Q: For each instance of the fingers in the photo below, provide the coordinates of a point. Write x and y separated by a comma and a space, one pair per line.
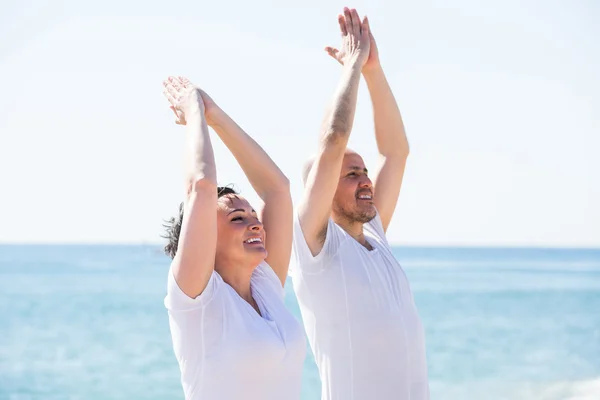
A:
352, 22
348, 20
170, 90
175, 89
342, 22
366, 29
333, 52
174, 112
185, 82
356, 23
168, 95
178, 117
177, 85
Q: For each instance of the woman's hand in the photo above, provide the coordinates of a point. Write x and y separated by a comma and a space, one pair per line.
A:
186, 97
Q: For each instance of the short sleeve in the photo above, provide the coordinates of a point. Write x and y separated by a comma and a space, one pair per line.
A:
196, 325
303, 258
177, 300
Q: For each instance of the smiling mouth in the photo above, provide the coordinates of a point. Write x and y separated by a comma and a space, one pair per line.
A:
253, 240
365, 196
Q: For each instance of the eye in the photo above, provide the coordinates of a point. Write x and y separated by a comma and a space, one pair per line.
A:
352, 174
237, 219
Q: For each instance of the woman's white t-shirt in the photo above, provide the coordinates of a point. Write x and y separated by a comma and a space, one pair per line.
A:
226, 350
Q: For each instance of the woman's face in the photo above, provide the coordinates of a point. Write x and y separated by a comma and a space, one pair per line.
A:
240, 235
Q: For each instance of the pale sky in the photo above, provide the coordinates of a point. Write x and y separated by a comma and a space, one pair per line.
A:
501, 101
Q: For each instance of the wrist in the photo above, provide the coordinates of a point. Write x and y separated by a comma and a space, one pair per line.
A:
214, 115
373, 72
193, 111
353, 67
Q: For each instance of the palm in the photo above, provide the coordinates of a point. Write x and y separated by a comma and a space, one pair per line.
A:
373, 59
341, 55
355, 39
183, 94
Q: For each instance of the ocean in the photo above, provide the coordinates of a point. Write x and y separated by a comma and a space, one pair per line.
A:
88, 322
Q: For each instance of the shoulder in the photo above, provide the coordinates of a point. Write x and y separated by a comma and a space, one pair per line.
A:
264, 271
264, 278
330, 238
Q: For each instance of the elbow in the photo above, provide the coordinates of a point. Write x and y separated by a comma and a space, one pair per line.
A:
283, 184
335, 136
404, 147
399, 152
201, 184
279, 188
403, 154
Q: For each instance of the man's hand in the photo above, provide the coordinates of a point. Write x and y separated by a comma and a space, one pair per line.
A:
184, 97
356, 40
372, 61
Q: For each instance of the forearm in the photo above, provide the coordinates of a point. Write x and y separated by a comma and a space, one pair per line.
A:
389, 128
264, 175
199, 157
338, 122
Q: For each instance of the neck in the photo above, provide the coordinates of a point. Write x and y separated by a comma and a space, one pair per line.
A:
239, 280
354, 229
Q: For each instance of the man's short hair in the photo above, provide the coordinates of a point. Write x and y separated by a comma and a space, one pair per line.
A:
311, 161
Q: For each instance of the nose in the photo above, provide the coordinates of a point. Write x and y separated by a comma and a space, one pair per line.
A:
256, 226
365, 182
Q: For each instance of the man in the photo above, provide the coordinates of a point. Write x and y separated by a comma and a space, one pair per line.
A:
355, 300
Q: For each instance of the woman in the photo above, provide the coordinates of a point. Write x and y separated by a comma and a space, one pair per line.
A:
232, 334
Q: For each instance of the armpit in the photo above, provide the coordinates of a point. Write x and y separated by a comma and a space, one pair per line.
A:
322, 236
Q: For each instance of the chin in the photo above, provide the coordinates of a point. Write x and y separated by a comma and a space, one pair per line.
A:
365, 216
258, 254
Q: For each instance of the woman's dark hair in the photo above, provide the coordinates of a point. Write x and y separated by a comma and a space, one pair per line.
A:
173, 225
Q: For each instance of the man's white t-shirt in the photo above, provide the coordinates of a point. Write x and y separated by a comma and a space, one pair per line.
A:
226, 350
360, 317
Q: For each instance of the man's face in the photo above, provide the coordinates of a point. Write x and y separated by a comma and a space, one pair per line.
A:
353, 199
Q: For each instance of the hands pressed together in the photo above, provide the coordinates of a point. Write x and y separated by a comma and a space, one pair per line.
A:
186, 98
358, 48
358, 44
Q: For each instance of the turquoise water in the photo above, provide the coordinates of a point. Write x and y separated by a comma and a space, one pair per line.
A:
88, 322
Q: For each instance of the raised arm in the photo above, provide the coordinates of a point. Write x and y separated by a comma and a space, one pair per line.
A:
271, 185
194, 260
390, 135
321, 182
